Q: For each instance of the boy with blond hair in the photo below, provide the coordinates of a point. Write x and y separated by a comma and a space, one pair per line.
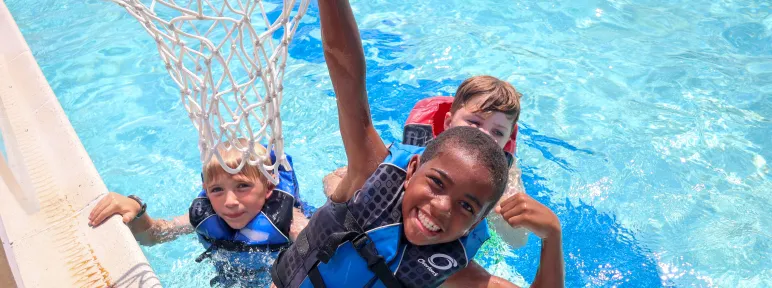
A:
242, 219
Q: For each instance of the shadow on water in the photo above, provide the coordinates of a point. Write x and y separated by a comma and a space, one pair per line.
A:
598, 250
538, 141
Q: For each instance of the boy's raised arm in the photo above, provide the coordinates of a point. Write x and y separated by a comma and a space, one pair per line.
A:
346, 63
520, 210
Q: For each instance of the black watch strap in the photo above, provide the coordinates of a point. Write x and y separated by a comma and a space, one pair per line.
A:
142, 205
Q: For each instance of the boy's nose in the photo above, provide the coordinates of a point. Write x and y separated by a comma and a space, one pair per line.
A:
231, 200
442, 207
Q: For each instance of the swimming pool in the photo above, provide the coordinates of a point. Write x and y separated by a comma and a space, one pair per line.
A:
646, 125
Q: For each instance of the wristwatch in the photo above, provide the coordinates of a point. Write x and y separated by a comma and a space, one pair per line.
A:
142, 205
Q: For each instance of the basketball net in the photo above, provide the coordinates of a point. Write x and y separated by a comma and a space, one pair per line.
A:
228, 61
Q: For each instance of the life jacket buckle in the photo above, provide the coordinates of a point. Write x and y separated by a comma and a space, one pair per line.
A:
361, 241
323, 256
364, 246
207, 254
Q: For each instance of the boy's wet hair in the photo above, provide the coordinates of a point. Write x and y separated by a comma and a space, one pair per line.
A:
501, 96
232, 157
478, 145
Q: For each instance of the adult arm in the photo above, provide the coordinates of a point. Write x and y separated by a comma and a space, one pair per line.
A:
146, 230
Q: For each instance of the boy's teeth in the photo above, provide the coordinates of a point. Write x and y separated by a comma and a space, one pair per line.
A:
427, 223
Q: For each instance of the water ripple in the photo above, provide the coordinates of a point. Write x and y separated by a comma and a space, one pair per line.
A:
645, 124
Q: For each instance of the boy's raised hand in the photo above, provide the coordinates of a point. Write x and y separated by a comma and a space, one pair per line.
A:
520, 210
114, 203
346, 63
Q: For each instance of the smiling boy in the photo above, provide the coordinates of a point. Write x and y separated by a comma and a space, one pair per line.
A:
402, 215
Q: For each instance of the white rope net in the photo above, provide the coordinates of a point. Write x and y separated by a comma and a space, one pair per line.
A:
228, 59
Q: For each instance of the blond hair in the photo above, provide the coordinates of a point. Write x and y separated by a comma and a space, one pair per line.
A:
232, 157
500, 96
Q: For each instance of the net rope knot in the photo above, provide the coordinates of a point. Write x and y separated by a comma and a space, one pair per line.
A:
223, 56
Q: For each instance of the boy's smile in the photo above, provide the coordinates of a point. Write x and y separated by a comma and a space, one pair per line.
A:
444, 198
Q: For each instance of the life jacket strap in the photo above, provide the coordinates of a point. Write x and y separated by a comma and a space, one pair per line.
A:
207, 254
322, 253
219, 279
316, 278
375, 262
351, 231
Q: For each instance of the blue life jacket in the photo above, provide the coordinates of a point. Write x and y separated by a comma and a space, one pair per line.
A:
361, 243
235, 253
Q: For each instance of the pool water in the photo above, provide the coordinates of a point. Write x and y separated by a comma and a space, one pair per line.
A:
646, 124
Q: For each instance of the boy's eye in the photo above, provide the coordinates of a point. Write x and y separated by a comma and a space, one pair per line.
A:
473, 122
244, 185
467, 206
215, 190
498, 133
437, 182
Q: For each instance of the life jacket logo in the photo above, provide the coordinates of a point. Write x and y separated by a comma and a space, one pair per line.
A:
438, 261
417, 135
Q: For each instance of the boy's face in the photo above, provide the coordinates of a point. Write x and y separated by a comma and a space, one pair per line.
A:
496, 124
444, 198
237, 199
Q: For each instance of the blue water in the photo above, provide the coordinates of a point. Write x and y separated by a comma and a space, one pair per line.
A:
646, 124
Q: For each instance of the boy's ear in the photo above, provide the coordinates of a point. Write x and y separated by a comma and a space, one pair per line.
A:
270, 188
412, 166
448, 119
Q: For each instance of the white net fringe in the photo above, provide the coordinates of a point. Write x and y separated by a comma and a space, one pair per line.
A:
216, 54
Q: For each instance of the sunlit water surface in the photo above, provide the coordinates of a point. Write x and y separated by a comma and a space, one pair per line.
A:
645, 126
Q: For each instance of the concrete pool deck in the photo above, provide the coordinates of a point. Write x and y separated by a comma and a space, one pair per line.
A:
48, 187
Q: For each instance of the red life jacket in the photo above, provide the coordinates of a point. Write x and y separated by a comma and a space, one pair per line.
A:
427, 120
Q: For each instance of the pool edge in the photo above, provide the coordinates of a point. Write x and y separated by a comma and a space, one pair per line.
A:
29, 257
